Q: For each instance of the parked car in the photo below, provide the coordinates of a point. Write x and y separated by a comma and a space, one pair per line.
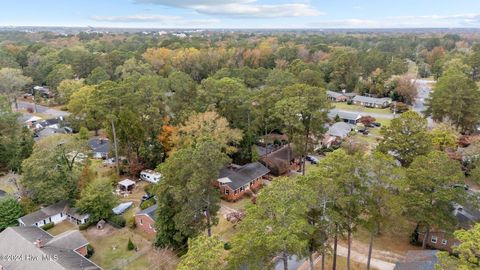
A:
312, 159
462, 186
147, 197
377, 124
364, 132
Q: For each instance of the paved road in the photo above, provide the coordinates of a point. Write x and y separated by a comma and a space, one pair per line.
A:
22, 105
424, 89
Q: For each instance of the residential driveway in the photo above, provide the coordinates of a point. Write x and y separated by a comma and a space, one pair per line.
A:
375, 115
22, 105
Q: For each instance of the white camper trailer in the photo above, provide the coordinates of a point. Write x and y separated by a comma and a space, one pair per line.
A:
150, 176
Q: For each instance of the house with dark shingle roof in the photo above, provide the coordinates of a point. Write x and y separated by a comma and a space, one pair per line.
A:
42, 251
54, 213
339, 96
145, 219
466, 216
235, 180
100, 147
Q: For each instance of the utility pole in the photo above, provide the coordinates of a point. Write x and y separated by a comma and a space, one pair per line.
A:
116, 147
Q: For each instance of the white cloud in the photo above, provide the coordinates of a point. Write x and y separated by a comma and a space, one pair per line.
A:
240, 8
165, 20
135, 18
455, 20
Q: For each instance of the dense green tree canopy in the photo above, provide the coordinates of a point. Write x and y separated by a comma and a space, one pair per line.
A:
455, 99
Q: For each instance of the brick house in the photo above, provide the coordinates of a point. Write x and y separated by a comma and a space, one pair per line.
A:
145, 220
442, 240
340, 96
64, 251
234, 180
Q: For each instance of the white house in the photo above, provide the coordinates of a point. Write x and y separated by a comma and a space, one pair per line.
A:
150, 176
54, 213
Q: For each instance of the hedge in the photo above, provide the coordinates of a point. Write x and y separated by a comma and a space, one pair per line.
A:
48, 226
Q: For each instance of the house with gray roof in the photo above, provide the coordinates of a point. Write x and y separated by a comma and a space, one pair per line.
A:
36, 249
466, 216
340, 130
54, 213
235, 180
345, 116
100, 147
372, 102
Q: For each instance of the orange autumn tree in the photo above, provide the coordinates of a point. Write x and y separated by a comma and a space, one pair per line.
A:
207, 125
165, 136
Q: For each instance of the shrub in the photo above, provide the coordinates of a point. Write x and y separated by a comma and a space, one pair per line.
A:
147, 203
83, 227
117, 221
227, 246
130, 245
90, 251
48, 226
131, 222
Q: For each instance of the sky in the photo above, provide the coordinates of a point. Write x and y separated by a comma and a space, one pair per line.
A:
242, 13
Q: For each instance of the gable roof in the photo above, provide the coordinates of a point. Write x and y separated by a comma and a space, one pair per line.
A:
99, 145
44, 213
332, 114
339, 129
243, 175
49, 131
150, 211
3, 193
20, 240
334, 94
70, 240
372, 99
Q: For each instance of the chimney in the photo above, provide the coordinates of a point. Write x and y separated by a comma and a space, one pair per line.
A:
38, 243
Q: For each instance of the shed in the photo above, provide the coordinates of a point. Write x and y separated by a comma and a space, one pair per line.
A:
101, 224
126, 185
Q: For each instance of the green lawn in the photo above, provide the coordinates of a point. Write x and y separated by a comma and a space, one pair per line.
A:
345, 106
111, 252
62, 227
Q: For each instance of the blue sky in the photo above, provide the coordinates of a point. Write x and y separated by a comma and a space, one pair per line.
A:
242, 13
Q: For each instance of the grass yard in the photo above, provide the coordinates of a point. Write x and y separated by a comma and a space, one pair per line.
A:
383, 121
62, 227
341, 264
396, 240
224, 229
345, 106
111, 252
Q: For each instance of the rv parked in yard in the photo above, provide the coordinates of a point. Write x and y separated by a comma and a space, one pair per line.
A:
150, 176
